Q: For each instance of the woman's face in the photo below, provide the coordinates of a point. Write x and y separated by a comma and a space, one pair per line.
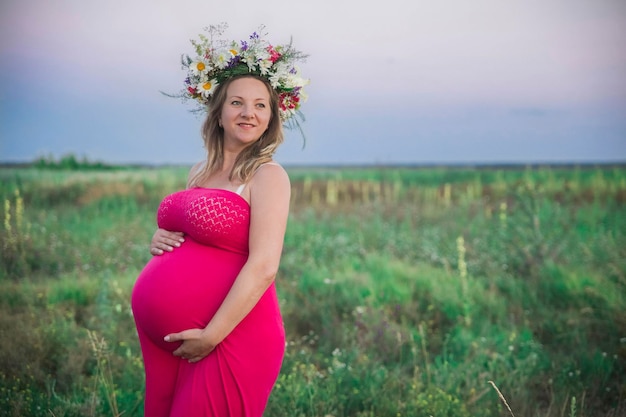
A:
246, 113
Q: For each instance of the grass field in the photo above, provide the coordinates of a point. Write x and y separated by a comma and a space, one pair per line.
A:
405, 291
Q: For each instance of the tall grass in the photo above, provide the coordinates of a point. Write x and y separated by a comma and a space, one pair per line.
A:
405, 292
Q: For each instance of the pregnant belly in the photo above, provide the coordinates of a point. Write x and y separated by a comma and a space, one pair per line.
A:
183, 289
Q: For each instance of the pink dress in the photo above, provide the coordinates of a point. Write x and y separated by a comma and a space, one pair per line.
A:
182, 290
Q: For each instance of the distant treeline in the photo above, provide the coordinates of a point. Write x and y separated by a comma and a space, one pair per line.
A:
72, 163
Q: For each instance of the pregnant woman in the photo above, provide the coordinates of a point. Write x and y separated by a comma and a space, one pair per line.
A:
205, 305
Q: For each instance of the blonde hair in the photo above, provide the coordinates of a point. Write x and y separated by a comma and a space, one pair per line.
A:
250, 158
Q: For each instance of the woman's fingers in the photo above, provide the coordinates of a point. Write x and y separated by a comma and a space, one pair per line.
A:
164, 241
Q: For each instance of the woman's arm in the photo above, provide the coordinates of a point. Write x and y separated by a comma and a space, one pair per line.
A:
269, 203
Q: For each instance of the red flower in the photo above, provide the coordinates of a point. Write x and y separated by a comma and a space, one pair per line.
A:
274, 55
288, 101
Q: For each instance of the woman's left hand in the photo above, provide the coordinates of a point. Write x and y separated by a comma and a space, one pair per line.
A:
195, 344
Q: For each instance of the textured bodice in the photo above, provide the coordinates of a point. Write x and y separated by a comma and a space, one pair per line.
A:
211, 216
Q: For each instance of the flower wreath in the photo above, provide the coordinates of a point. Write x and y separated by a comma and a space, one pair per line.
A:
218, 60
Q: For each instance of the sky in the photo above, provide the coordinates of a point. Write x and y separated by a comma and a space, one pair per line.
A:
391, 82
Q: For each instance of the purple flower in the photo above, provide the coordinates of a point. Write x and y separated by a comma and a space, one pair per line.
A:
244, 45
234, 62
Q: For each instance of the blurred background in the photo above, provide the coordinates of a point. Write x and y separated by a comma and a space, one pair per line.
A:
394, 82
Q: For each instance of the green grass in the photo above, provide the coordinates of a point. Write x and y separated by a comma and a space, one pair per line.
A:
384, 315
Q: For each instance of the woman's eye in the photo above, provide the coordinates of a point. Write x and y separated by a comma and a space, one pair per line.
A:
261, 105
235, 102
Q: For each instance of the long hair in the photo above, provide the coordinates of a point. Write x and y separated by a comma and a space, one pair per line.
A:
252, 156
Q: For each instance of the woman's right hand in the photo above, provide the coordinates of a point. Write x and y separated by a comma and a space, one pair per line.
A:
165, 241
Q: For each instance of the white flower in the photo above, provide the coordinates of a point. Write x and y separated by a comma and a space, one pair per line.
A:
207, 87
251, 62
303, 96
199, 67
277, 78
264, 66
294, 80
223, 57
249, 57
286, 76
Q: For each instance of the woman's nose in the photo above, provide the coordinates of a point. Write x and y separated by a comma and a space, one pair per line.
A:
247, 112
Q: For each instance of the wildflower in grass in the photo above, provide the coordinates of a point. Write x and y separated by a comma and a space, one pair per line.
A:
19, 210
460, 245
447, 194
7, 216
572, 409
337, 364
503, 208
331, 192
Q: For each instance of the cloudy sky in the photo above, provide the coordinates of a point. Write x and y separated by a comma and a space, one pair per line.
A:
395, 81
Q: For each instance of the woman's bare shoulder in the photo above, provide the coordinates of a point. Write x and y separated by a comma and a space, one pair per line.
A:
270, 171
270, 175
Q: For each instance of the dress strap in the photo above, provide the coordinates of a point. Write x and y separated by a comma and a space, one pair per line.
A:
240, 188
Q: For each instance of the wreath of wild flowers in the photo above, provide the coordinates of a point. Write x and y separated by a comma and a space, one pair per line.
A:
217, 60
